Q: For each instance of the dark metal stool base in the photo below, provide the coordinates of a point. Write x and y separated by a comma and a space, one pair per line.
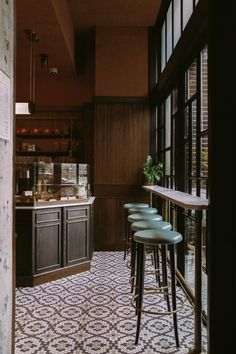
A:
140, 292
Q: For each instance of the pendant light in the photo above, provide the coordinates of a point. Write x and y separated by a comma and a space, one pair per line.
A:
26, 108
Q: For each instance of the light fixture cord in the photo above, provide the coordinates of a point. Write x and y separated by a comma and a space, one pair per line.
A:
33, 39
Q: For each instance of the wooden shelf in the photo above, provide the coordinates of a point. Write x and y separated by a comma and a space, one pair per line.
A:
42, 153
43, 136
63, 139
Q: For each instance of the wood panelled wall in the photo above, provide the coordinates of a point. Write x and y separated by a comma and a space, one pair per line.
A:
121, 144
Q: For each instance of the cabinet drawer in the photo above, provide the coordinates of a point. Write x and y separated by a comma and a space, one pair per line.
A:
76, 213
49, 215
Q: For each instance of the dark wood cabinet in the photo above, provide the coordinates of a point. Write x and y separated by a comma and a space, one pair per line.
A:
76, 234
53, 242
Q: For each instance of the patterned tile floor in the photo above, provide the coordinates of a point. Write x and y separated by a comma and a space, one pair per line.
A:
91, 313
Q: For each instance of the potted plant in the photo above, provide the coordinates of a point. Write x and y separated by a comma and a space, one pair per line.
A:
152, 172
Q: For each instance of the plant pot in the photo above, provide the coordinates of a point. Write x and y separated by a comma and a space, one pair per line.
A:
149, 183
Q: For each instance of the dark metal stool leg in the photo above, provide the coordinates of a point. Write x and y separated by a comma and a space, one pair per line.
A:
164, 275
164, 241
173, 290
126, 238
140, 251
157, 264
132, 262
137, 278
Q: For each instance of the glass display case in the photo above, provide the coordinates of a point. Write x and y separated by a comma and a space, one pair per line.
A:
46, 181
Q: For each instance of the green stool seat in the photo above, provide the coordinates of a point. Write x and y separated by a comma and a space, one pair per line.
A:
127, 206
142, 217
158, 236
135, 205
150, 224
143, 210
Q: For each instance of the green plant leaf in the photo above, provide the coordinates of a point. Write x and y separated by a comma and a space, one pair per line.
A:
152, 171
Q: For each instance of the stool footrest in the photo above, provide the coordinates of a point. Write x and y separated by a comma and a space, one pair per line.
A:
159, 313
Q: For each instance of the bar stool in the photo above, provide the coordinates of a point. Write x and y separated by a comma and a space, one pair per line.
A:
131, 219
160, 238
127, 206
148, 210
147, 225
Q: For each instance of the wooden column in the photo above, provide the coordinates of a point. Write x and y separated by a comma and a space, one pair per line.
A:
221, 242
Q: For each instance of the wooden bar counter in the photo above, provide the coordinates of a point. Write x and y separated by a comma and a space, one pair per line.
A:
53, 240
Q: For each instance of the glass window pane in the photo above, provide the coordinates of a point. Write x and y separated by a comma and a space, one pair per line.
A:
194, 138
174, 100
203, 191
157, 61
186, 125
191, 84
187, 164
194, 187
167, 163
204, 89
167, 122
163, 46
190, 251
174, 217
204, 156
190, 259
173, 146
187, 11
169, 32
177, 21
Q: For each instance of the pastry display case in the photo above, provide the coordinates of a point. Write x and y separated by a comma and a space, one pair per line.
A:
51, 182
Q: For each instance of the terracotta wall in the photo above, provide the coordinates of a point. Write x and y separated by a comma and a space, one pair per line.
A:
119, 67
60, 90
121, 61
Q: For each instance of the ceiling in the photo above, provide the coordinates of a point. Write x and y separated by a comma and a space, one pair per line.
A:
89, 13
78, 15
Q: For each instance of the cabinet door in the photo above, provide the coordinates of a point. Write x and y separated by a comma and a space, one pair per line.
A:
47, 240
76, 234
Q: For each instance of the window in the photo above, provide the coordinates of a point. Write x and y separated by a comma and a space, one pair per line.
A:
182, 124
196, 155
177, 17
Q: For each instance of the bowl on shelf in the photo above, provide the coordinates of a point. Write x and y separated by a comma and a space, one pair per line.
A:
36, 131
47, 131
24, 131
56, 131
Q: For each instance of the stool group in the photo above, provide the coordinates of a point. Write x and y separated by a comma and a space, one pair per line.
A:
148, 234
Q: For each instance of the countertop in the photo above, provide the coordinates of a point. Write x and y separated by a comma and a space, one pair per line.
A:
53, 204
